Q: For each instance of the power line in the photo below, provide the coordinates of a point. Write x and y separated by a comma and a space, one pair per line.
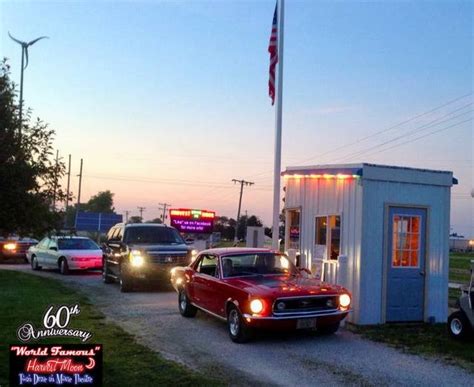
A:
407, 134
420, 137
374, 134
392, 127
177, 182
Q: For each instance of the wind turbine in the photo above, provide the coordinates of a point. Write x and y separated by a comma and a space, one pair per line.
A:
24, 56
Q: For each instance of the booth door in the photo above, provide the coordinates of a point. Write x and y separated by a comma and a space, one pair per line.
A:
406, 264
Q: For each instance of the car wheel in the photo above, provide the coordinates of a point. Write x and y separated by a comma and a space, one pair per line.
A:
329, 329
185, 307
238, 331
458, 325
63, 267
105, 274
34, 263
126, 283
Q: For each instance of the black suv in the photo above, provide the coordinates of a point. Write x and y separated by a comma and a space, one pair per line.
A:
143, 252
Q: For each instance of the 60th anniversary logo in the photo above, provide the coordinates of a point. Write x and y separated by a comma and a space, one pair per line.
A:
55, 364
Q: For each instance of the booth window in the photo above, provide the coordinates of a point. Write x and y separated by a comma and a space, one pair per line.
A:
294, 229
328, 233
406, 241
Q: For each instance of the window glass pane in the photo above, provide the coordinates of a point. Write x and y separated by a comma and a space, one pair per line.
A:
294, 229
415, 224
414, 258
404, 224
414, 241
405, 255
321, 230
405, 241
335, 226
396, 257
208, 265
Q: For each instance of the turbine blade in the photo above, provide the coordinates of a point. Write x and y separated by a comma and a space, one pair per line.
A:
34, 41
26, 57
14, 39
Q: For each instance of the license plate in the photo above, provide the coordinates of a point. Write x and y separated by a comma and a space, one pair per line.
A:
306, 323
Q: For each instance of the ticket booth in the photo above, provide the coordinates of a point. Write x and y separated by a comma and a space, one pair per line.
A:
381, 231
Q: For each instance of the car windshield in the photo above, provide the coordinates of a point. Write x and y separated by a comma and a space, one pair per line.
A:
256, 264
150, 235
77, 244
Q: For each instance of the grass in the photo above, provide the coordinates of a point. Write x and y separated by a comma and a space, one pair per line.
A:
431, 340
459, 267
126, 362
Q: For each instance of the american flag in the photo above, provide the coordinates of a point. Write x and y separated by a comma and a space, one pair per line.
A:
273, 50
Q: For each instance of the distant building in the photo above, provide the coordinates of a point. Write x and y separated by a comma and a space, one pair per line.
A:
460, 244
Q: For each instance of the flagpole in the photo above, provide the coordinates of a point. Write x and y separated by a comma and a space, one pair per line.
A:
278, 116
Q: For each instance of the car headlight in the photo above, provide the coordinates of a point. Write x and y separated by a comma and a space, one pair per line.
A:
256, 306
194, 254
9, 246
344, 300
136, 258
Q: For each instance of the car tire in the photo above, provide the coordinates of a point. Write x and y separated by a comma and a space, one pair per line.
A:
126, 283
105, 274
458, 326
63, 266
34, 263
239, 332
329, 329
186, 309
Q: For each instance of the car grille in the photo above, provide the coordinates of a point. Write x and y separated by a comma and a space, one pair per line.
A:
305, 305
168, 258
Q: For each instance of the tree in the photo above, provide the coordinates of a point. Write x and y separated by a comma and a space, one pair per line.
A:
29, 174
156, 220
135, 219
101, 202
246, 221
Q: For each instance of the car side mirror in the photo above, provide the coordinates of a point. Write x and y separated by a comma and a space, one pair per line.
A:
189, 242
53, 248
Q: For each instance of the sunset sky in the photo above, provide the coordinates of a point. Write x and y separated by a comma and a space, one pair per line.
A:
167, 101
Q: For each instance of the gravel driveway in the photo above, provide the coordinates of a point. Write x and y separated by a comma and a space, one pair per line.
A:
202, 343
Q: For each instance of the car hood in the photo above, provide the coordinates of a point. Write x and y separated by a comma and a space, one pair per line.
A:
283, 286
162, 248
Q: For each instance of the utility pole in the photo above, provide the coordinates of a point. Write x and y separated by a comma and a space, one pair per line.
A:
24, 56
141, 209
242, 183
78, 195
126, 215
67, 190
163, 208
55, 180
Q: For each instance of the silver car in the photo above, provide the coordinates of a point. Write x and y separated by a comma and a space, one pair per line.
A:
65, 253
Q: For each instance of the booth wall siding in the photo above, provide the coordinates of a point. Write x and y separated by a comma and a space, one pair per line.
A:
320, 197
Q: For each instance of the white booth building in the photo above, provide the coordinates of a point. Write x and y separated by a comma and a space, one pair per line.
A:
380, 231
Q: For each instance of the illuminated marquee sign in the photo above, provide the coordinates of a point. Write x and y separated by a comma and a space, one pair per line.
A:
192, 221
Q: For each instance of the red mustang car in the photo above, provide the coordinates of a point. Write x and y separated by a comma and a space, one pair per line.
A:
257, 288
